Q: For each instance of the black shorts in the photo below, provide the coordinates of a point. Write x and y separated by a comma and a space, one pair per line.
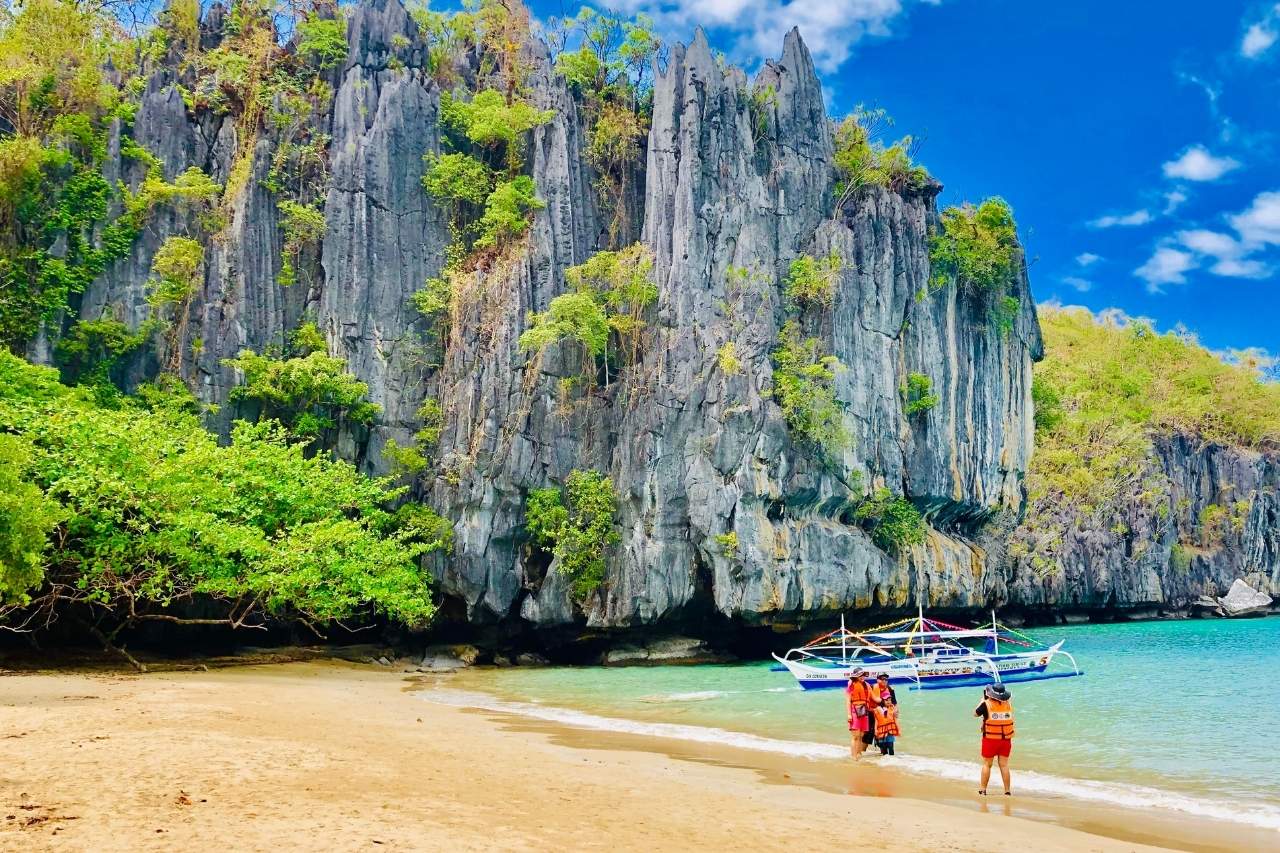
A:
868, 737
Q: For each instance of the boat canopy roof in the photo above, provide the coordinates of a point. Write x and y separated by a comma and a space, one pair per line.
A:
917, 633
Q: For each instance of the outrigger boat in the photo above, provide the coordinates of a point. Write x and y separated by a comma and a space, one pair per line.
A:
925, 653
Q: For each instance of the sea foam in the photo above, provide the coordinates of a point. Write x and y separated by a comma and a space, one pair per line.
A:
1260, 815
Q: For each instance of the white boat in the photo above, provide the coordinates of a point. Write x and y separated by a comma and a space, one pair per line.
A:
925, 653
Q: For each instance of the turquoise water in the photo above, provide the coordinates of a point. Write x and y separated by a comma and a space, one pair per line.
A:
1188, 711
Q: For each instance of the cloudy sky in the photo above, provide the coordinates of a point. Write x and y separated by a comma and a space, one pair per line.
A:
1136, 140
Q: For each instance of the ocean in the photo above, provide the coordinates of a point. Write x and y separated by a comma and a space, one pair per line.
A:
1178, 715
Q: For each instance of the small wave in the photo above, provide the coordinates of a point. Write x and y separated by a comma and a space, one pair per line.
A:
1259, 815
691, 696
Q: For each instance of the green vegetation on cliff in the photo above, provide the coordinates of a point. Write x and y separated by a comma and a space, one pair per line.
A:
1103, 389
132, 512
576, 526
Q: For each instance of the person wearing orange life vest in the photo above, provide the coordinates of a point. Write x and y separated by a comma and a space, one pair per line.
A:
887, 730
859, 700
996, 712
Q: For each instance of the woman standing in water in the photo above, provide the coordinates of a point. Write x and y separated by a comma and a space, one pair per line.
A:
858, 696
997, 733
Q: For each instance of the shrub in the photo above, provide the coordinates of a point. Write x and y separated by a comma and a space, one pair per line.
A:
917, 394
489, 121
576, 526
506, 211
307, 394
303, 225
803, 386
573, 316
727, 359
323, 41
1180, 557
153, 514
27, 517
457, 178
812, 281
434, 299
893, 521
176, 271
728, 543
307, 339
977, 246
414, 458
862, 160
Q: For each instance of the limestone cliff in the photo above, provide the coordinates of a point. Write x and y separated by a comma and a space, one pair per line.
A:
695, 453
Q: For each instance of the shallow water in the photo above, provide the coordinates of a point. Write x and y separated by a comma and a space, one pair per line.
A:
1180, 714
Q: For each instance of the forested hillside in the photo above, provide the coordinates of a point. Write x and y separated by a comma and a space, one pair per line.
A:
326, 316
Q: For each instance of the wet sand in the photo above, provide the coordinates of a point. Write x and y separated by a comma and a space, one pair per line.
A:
334, 756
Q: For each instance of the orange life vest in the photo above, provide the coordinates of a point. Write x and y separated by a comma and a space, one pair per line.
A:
859, 694
998, 724
886, 721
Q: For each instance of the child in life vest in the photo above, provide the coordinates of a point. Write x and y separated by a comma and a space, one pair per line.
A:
887, 729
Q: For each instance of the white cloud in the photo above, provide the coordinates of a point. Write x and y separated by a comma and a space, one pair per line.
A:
1087, 259
1230, 255
1138, 217
1257, 41
754, 28
1173, 200
1260, 223
1197, 164
1213, 243
1261, 35
1167, 266
1083, 285
1241, 268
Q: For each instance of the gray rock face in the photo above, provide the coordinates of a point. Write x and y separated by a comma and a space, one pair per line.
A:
1219, 522
732, 193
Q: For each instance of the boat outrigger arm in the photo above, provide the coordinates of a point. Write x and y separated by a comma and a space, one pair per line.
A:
927, 654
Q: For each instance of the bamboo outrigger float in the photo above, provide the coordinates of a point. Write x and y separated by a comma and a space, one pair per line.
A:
925, 653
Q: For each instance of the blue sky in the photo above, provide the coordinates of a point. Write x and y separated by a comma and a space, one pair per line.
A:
1136, 141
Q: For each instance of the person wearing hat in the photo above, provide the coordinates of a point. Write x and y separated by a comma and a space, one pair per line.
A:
997, 733
859, 696
883, 698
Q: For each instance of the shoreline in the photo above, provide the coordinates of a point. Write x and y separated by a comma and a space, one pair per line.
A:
1160, 827
275, 757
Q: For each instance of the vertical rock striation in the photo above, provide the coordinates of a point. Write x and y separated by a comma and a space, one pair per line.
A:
735, 188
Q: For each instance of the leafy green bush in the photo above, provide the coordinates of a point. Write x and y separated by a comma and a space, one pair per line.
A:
414, 458
572, 316
323, 41
977, 246
576, 526
176, 271
812, 281
917, 394
1046, 403
728, 543
489, 121
27, 517
506, 211
91, 349
862, 160
457, 178
622, 282
303, 225
434, 299
727, 359
152, 514
308, 394
803, 385
892, 520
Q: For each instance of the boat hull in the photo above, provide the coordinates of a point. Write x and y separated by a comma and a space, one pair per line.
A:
951, 673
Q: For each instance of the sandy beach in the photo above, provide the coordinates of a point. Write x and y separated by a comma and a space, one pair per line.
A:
338, 756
